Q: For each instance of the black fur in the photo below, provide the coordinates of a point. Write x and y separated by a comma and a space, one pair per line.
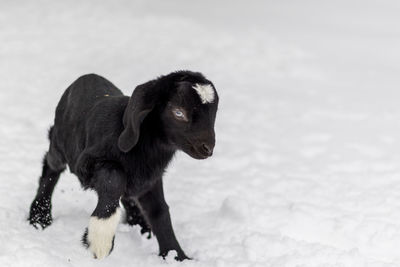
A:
120, 146
134, 216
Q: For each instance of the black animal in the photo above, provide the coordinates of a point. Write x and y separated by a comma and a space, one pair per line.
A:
120, 146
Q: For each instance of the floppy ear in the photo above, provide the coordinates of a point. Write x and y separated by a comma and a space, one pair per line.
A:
140, 104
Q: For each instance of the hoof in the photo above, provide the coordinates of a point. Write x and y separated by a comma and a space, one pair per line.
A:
181, 256
40, 213
99, 236
99, 248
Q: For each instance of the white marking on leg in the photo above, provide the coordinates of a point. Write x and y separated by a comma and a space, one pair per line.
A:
101, 232
206, 92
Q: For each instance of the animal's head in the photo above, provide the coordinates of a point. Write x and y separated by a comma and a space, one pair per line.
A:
184, 104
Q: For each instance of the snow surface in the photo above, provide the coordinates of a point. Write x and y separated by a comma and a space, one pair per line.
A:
306, 169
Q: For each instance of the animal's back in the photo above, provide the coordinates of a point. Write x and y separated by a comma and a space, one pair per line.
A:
73, 110
83, 94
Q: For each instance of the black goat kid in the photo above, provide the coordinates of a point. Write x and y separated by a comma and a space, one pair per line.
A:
120, 147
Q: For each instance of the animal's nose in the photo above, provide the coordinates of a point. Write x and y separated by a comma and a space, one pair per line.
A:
208, 149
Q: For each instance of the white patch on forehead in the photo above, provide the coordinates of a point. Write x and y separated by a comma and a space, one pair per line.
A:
206, 92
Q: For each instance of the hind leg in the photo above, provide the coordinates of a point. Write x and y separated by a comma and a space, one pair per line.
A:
134, 216
40, 211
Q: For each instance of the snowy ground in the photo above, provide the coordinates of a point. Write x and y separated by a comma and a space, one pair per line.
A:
306, 170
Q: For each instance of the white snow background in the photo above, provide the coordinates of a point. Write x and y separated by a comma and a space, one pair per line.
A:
306, 170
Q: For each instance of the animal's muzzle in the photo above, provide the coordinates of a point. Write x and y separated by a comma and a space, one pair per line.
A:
206, 149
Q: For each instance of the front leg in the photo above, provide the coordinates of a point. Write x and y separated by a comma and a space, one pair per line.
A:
109, 183
157, 212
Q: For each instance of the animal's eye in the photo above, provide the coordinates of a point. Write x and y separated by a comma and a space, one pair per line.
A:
179, 114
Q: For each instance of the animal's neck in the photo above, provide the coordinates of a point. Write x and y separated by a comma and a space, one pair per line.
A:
153, 141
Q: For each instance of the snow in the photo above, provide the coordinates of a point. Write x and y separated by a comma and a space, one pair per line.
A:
306, 167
